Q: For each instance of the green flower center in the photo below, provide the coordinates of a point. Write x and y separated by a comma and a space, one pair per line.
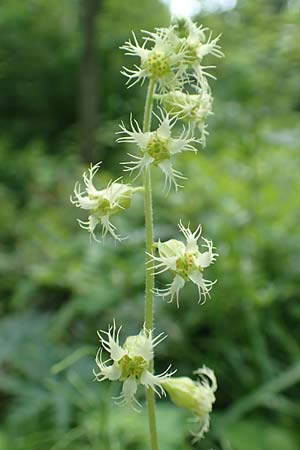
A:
132, 367
194, 112
185, 265
157, 148
158, 64
103, 207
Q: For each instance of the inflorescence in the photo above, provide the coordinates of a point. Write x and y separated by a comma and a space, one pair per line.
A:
172, 59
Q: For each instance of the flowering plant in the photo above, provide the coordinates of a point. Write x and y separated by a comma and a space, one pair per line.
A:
171, 59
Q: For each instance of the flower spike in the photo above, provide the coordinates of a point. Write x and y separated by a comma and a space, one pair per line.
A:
172, 60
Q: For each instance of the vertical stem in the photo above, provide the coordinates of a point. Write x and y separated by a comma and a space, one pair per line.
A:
149, 245
152, 419
149, 270
148, 217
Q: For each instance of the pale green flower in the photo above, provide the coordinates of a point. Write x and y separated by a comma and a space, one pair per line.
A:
193, 109
157, 147
158, 60
186, 262
196, 396
197, 44
130, 363
103, 204
171, 56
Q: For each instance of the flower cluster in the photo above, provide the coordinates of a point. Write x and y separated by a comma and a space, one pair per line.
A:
196, 396
172, 56
172, 59
186, 262
116, 197
130, 363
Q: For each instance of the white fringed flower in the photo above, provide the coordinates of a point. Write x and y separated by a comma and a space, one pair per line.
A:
186, 262
130, 363
192, 109
157, 147
196, 396
161, 62
115, 198
195, 39
196, 44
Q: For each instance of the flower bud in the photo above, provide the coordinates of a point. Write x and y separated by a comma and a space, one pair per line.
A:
195, 396
194, 41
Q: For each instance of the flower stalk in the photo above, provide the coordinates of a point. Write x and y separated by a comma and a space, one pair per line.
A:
149, 271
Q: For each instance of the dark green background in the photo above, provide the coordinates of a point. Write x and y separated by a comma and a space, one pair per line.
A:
57, 289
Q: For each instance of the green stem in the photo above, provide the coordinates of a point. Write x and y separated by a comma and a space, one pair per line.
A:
148, 217
149, 270
152, 419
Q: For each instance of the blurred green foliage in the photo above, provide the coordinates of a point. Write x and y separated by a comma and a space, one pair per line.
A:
57, 288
